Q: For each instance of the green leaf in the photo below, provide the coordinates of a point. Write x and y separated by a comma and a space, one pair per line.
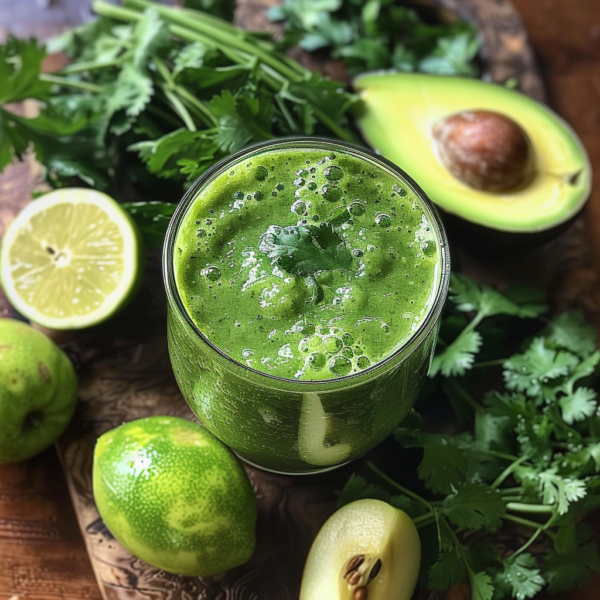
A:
20, 67
521, 576
474, 506
458, 357
305, 251
529, 372
181, 154
578, 405
446, 572
555, 489
152, 218
566, 570
482, 587
469, 296
444, 464
570, 330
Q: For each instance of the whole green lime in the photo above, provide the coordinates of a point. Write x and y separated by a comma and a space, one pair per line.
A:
38, 391
175, 496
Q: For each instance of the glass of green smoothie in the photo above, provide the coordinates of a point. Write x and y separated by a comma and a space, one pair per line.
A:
305, 278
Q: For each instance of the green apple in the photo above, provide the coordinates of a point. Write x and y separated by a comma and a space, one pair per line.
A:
38, 391
366, 550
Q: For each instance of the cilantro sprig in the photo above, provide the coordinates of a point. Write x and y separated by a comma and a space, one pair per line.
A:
500, 503
153, 95
305, 251
379, 34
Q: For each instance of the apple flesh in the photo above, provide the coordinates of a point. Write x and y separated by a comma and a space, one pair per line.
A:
38, 391
367, 550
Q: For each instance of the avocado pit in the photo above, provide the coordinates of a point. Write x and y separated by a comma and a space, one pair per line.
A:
484, 149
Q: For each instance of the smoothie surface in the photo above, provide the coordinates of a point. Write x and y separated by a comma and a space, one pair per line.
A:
307, 264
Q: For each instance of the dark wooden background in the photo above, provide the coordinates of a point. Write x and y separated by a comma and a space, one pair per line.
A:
42, 555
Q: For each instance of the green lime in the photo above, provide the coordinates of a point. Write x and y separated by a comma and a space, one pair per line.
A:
70, 259
38, 391
175, 496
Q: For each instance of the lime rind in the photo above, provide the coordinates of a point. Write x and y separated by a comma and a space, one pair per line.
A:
100, 250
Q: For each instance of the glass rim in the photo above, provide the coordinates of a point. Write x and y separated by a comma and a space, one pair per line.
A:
389, 361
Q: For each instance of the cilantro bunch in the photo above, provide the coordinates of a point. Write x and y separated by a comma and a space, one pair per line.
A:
380, 34
155, 93
500, 500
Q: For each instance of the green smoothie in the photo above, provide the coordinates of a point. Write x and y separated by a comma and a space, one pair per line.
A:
304, 279
371, 282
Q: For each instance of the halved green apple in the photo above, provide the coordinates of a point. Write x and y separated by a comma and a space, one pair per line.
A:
367, 550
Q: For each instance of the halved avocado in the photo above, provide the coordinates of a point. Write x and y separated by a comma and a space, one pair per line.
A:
398, 115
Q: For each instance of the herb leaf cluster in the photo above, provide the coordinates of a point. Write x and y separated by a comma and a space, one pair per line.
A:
500, 503
155, 92
379, 34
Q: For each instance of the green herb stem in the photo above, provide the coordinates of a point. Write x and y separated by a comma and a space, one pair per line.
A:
507, 472
206, 28
424, 520
179, 108
530, 508
399, 487
498, 362
64, 82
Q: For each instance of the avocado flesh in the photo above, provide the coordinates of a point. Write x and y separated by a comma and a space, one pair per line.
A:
397, 117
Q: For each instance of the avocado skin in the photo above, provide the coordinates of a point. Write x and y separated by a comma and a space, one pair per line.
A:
494, 244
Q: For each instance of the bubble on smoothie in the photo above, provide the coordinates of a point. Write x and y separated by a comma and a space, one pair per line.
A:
332, 343
363, 362
347, 339
299, 207
347, 352
333, 173
247, 353
280, 187
299, 181
307, 328
261, 173
211, 273
356, 208
408, 315
258, 196
316, 360
332, 193
399, 190
312, 186
304, 345
200, 233
357, 252
340, 365
383, 220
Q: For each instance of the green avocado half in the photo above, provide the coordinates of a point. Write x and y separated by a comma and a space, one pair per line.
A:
399, 111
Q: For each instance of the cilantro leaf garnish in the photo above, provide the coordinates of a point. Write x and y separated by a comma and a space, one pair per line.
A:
305, 251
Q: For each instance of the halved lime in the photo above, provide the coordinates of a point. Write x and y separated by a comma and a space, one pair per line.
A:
70, 259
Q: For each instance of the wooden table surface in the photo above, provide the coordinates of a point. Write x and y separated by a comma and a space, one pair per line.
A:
42, 555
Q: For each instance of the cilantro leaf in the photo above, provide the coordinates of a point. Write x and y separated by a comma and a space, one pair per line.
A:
305, 251
458, 357
446, 572
578, 405
529, 372
482, 587
152, 218
520, 577
473, 506
20, 67
444, 464
470, 296
555, 489
570, 330
573, 568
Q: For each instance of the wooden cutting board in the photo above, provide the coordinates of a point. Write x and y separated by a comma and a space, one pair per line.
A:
124, 374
